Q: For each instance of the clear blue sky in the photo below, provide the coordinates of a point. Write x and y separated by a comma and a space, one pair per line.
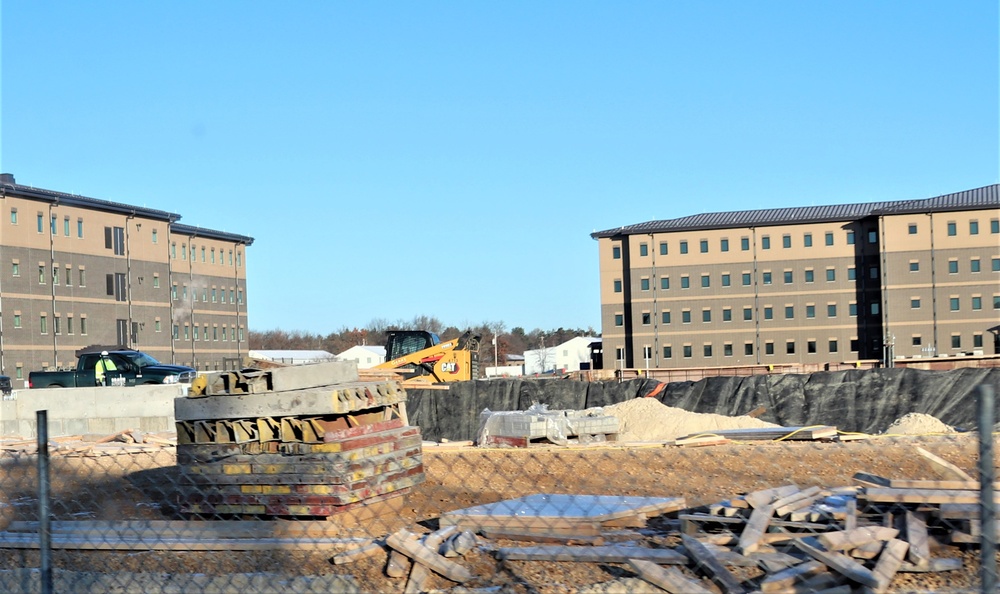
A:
451, 159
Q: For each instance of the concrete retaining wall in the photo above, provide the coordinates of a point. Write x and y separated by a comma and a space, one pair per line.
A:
98, 410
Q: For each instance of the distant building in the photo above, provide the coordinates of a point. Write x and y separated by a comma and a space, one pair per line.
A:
78, 271
291, 356
572, 355
365, 356
806, 285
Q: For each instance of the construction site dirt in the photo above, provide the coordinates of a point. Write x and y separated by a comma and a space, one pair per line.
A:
119, 484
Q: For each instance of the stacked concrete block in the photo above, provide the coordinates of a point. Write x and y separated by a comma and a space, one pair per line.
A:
296, 441
538, 424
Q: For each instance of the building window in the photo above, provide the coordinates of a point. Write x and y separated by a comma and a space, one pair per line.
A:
41, 222
994, 225
727, 314
872, 272
769, 348
176, 332
810, 275
831, 310
915, 303
703, 246
790, 347
974, 265
724, 245
114, 240
43, 323
663, 248
156, 280
747, 348
52, 224
765, 278
850, 238
239, 263
643, 249
832, 346
666, 317
617, 285
686, 316
41, 274
215, 333
17, 320
953, 303
745, 244
616, 252
831, 274
852, 310
952, 266
917, 340
807, 240
786, 241
810, 311
706, 315
915, 266
789, 312
765, 242
707, 350
69, 276
852, 273
726, 281
685, 282
214, 294
705, 281
668, 352
973, 227
65, 226
203, 259
977, 303
158, 327
828, 238
747, 314
645, 318
644, 284
79, 228
873, 237
619, 320
687, 351
788, 277
15, 269
995, 264
83, 277
727, 349
912, 228
13, 216
187, 332
952, 229
684, 246
745, 279
977, 341
665, 282
69, 324
83, 325
768, 313
956, 341
213, 255
204, 333
873, 309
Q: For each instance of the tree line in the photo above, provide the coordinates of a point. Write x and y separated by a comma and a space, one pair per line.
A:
513, 342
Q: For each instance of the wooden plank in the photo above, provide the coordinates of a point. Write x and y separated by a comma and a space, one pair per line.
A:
887, 565
840, 563
398, 564
945, 468
936, 564
870, 480
418, 580
670, 579
940, 484
369, 550
698, 441
790, 503
843, 540
402, 542
787, 578
755, 528
710, 564
106, 542
766, 496
931, 496
601, 554
916, 535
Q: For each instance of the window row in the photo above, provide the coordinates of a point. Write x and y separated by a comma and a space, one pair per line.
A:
746, 278
67, 226
217, 295
952, 227
953, 266
956, 342
200, 333
955, 302
68, 324
767, 312
59, 275
207, 254
708, 350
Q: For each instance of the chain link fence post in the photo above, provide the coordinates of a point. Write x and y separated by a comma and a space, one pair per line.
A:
44, 511
987, 476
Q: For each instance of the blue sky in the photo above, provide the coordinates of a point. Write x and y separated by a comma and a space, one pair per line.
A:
450, 159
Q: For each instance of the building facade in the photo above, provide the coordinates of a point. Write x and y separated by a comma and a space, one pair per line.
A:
808, 285
79, 271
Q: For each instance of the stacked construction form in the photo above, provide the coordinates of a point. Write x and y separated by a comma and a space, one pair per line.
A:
306, 440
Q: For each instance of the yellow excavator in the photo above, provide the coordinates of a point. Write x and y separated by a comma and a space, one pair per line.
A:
422, 359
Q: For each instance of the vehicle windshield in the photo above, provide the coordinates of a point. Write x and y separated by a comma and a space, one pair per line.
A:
141, 360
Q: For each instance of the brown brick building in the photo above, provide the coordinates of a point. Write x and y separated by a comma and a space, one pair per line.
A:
78, 271
806, 285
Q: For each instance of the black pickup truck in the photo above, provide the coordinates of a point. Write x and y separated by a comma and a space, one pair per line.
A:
131, 368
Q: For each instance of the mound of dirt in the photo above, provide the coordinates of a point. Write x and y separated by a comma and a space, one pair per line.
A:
918, 424
647, 419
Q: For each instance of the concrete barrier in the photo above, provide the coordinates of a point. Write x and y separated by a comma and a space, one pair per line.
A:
98, 410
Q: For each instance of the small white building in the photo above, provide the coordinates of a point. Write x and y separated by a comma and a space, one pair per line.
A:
366, 356
562, 358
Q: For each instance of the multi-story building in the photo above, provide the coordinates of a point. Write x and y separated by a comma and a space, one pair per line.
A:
806, 285
78, 271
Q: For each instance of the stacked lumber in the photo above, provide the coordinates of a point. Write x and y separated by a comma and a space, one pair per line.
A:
294, 441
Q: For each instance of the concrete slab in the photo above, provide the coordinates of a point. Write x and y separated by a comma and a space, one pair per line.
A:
297, 377
339, 399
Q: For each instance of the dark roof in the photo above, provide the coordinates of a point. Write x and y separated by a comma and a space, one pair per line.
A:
8, 185
210, 233
985, 197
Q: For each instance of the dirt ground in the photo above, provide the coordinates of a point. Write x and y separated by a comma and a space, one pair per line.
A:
110, 485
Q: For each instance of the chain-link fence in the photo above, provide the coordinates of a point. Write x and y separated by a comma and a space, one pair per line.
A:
339, 489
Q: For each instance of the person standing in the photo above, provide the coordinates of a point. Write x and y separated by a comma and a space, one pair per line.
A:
104, 365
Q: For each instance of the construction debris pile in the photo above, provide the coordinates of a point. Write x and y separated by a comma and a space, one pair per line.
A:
538, 423
295, 441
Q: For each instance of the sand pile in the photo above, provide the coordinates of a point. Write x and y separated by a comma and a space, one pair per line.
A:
648, 419
917, 424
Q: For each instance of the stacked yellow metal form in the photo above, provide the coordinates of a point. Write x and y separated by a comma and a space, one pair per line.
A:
295, 441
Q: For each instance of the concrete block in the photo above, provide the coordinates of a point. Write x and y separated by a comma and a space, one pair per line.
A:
101, 425
311, 401
156, 424
77, 426
298, 377
125, 423
9, 428
26, 428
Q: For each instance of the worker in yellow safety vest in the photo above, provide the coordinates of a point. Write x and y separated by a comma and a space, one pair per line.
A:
104, 365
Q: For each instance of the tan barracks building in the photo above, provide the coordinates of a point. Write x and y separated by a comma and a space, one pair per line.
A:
808, 285
78, 271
